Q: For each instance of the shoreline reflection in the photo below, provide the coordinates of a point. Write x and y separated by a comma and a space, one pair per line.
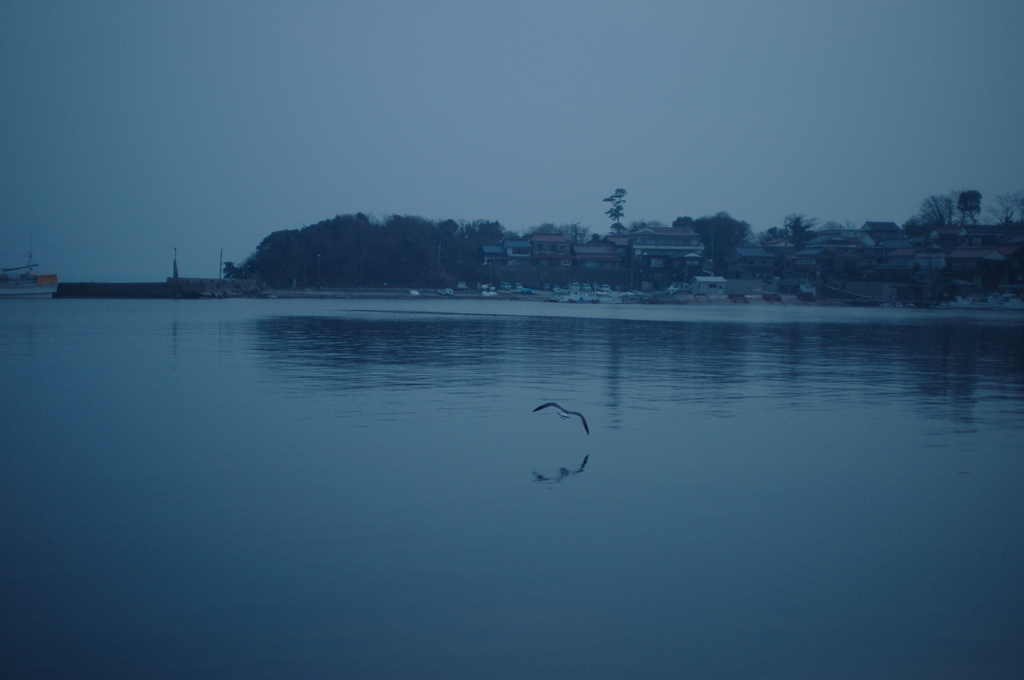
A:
950, 369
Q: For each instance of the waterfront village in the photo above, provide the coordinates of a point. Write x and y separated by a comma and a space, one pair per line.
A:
878, 263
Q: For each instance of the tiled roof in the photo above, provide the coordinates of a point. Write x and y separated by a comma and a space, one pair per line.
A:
591, 254
881, 226
677, 254
1010, 249
595, 249
969, 253
754, 252
889, 244
667, 231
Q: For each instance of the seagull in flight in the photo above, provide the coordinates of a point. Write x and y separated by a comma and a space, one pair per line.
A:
563, 413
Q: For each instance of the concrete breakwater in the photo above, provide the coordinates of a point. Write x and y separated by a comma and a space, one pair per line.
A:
170, 289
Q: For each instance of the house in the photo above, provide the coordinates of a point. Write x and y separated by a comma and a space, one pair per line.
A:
549, 250
750, 262
897, 265
621, 244
844, 239
517, 251
883, 231
854, 264
781, 246
930, 258
596, 255
981, 235
670, 265
707, 285
890, 244
816, 259
677, 239
948, 237
973, 266
1012, 274
494, 253
508, 252
1002, 264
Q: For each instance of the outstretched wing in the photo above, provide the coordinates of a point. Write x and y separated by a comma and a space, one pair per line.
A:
575, 413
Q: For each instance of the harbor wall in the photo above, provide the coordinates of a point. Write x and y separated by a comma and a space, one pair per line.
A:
170, 289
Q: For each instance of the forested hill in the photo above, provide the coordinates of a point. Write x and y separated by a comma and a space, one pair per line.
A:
355, 250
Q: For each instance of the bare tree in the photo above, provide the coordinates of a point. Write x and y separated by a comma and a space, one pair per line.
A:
1007, 205
546, 228
574, 232
937, 209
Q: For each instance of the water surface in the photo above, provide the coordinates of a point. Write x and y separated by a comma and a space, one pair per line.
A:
334, 488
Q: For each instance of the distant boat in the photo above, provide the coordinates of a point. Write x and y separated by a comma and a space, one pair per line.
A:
976, 302
1005, 301
24, 282
993, 301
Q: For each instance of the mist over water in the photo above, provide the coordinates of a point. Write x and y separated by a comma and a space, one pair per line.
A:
362, 489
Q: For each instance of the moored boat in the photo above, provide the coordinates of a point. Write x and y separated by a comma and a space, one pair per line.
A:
24, 282
1005, 301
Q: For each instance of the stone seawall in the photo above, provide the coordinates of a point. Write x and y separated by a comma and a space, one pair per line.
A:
170, 289
114, 290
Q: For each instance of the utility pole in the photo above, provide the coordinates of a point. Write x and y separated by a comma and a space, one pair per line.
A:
712, 250
220, 267
318, 271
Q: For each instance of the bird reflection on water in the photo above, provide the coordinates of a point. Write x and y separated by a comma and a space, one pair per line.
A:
562, 473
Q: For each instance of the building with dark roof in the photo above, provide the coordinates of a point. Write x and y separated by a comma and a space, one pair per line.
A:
596, 255
549, 250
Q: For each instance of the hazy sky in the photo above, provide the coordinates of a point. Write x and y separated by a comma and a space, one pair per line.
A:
128, 129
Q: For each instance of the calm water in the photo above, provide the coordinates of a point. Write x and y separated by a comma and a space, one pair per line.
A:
361, 489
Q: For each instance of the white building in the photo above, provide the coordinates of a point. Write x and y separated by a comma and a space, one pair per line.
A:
707, 285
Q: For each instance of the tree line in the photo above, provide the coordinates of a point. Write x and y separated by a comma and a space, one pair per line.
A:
357, 250
404, 250
963, 207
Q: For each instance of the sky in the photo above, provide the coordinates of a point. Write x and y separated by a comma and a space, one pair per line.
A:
129, 129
